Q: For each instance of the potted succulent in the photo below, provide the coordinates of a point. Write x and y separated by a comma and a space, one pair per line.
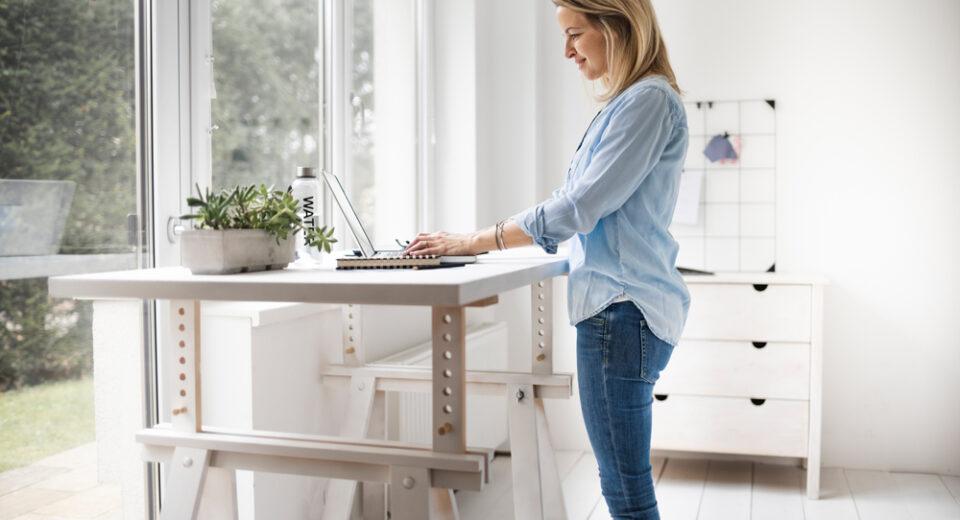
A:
248, 228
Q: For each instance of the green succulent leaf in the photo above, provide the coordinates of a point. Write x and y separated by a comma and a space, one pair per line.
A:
255, 207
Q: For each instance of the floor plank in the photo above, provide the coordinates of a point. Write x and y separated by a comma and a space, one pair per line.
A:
26, 500
75, 480
953, 484
85, 504
581, 488
926, 497
726, 494
601, 512
835, 502
777, 492
680, 488
15, 479
876, 495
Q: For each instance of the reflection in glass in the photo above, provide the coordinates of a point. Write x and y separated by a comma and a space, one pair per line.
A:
68, 182
266, 110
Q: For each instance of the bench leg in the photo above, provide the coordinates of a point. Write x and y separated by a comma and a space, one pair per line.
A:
187, 473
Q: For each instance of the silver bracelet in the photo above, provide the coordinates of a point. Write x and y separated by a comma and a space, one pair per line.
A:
499, 233
497, 237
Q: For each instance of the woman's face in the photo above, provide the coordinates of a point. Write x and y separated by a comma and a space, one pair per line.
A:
585, 44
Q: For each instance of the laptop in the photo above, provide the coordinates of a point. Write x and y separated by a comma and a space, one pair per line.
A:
369, 257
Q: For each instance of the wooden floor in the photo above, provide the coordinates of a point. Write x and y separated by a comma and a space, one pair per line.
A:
714, 490
64, 487
61, 487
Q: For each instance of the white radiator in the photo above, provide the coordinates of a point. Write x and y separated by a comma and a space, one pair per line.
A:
409, 416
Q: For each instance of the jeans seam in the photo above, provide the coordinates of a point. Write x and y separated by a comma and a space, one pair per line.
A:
644, 354
606, 410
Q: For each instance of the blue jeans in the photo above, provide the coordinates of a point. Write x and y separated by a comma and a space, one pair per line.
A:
618, 361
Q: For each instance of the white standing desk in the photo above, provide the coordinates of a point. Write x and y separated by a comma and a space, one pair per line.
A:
421, 477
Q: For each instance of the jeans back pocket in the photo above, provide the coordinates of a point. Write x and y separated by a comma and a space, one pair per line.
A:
655, 354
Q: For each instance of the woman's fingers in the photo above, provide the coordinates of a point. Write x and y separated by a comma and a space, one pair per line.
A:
419, 247
420, 242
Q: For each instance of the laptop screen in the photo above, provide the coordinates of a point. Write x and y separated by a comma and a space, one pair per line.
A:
356, 227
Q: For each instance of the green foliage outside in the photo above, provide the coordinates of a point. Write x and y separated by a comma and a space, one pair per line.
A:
43, 420
66, 113
41, 338
266, 69
67, 110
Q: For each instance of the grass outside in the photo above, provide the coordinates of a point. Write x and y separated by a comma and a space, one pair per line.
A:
43, 420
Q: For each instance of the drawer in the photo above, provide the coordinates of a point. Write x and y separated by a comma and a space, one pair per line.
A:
749, 313
738, 369
730, 425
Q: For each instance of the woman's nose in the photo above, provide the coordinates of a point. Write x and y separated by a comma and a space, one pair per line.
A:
569, 51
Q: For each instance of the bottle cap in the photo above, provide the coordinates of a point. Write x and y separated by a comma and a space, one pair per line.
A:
305, 171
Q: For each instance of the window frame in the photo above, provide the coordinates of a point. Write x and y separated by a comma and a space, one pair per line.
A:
337, 116
174, 49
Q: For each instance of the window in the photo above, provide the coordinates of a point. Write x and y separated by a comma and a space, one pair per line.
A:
68, 204
266, 89
381, 170
267, 95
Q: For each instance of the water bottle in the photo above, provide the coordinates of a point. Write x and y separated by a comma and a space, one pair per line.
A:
306, 189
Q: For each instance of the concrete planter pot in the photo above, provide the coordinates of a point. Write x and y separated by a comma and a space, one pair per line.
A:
229, 251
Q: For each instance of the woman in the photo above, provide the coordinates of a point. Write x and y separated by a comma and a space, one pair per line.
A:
626, 298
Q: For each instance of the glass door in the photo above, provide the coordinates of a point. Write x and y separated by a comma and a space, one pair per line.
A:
73, 199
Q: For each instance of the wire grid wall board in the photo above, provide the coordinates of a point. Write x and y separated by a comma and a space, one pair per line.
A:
735, 228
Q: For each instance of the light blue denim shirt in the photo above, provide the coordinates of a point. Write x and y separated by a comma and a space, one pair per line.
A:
617, 203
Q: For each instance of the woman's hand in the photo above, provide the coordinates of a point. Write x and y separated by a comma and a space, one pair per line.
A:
441, 243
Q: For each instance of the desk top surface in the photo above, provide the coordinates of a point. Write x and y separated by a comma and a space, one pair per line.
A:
493, 274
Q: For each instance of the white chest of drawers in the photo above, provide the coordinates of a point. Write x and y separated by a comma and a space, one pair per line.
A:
746, 375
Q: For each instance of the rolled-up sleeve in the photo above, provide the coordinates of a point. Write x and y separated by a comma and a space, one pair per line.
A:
632, 143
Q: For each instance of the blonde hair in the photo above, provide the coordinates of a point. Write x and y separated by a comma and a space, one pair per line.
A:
635, 47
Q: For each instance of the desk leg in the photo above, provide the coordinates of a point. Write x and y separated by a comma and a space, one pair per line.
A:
187, 473
524, 453
449, 401
541, 312
550, 485
449, 379
189, 477
535, 492
342, 493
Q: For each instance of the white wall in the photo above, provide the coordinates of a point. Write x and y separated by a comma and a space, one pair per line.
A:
868, 102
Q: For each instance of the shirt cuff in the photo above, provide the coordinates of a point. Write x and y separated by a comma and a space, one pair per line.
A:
531, 222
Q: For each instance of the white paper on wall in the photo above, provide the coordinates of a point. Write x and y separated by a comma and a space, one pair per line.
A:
688, 201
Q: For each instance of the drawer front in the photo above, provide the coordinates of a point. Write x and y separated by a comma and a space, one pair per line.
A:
742, 312
738, 369
730, 425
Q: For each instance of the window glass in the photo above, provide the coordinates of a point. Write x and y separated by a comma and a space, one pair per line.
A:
68, 188
266, 90
383, 127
